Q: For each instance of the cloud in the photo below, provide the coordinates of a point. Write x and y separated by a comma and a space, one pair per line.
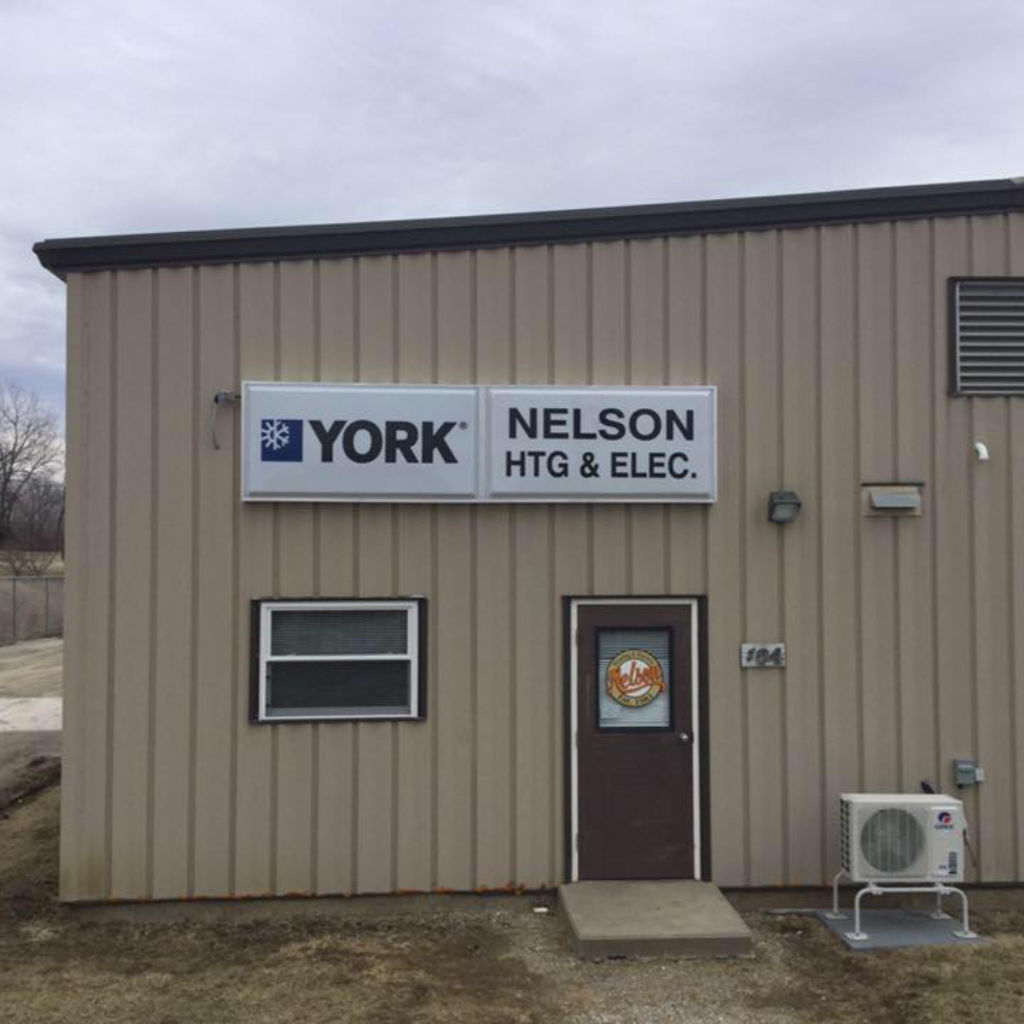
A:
139, 116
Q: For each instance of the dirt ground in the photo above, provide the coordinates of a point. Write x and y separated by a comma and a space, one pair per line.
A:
29, 760
487, 960
32, 668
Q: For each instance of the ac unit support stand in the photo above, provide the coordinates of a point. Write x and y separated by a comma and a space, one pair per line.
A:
871, 889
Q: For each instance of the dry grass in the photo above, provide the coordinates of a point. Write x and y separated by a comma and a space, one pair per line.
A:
57, 968
819, 979
499, 963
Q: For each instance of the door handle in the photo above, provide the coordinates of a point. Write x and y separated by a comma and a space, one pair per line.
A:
684, 737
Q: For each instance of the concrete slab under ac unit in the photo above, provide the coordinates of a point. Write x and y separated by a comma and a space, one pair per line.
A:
899, 929
663, 918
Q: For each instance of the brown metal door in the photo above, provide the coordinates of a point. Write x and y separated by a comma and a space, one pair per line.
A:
635, 741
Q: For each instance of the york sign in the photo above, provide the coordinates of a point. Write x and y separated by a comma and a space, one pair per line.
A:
362, 442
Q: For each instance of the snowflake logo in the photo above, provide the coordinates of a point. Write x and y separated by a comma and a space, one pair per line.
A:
280, 440
275, 434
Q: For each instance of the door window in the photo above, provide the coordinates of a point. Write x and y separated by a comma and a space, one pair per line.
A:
633, 673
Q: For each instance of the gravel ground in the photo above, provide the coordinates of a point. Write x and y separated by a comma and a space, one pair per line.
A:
487, 960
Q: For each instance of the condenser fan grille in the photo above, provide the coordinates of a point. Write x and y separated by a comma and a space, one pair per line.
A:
891, 840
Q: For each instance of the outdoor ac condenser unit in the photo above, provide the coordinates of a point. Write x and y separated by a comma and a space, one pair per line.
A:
900, 837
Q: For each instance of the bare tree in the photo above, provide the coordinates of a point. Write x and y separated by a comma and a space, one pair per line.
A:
37, 529
29, 449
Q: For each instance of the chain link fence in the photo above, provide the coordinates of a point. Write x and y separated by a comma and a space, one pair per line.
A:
31, 607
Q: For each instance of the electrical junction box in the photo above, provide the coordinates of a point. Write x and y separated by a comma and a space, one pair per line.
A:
967, 773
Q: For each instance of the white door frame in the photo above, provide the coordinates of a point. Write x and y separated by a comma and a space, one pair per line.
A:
697, 739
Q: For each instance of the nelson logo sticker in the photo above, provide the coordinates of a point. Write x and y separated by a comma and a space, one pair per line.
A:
634, 678
280, 440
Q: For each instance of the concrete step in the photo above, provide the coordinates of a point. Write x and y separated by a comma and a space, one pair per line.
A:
663, 918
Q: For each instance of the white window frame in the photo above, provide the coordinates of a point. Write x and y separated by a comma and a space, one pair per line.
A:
412, 608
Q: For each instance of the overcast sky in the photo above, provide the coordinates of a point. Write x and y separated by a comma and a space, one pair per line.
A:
130, 115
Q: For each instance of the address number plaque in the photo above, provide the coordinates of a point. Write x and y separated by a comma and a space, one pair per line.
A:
762, 655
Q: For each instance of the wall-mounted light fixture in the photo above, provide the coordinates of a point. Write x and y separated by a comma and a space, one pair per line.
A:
783, 506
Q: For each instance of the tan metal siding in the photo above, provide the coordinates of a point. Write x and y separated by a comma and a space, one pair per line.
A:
800, 585
952, 557
176, 438
760, 547
132, 578
686, 342
456, 680
729, 760
915, 362
838, 525
295, 293
254, 754
77, 693
215, 599
376, 333
336, 751
495, 662
1015, 597
86, 805
413, 822
873, 343
992, 623
829, 349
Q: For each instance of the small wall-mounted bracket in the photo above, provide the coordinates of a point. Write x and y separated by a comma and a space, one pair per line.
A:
220, 398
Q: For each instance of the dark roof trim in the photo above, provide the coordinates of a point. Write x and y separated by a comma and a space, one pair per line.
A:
63, 255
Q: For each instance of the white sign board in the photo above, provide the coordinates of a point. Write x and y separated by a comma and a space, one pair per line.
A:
601, 443
363, 442
314, 442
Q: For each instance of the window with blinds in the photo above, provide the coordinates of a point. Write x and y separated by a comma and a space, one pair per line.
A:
322, 660
987, 356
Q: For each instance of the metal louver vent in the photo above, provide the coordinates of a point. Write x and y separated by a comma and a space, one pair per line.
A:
844, 835
988, 336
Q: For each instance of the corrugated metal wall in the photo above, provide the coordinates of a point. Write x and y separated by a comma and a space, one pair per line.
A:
829, 349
